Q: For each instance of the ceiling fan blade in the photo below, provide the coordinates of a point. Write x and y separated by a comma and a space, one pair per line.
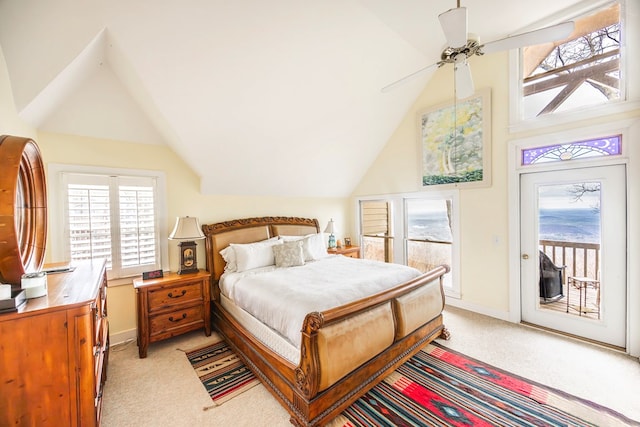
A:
454, 26
463, 79
407, 79
543, 35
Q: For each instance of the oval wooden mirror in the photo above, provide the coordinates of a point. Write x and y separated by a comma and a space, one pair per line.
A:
23, 208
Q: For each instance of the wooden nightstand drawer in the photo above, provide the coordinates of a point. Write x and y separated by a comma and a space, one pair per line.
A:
350, 251
172, 295
170, 306
189, 317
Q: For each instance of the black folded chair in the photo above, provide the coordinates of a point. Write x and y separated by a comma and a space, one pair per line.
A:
551, 280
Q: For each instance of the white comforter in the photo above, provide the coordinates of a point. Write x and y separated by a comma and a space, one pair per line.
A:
282, 297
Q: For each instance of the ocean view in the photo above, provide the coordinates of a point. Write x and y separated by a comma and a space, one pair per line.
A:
567, 225
570, 225
430, 225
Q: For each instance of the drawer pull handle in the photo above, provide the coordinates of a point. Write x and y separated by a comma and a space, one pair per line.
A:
184, 316
184, 291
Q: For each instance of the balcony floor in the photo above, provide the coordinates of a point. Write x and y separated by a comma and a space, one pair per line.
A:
574, 298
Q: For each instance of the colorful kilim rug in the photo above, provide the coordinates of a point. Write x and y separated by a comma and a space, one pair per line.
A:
222, 372
440, 387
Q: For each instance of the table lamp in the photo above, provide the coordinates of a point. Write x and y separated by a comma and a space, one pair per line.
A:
331, 229
187, 230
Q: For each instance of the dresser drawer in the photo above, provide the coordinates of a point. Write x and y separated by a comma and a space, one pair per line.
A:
173, 295
177, 321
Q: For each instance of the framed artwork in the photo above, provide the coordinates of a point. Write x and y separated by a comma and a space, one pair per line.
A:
455, 143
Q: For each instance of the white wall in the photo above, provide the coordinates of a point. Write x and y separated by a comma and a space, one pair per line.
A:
10, 123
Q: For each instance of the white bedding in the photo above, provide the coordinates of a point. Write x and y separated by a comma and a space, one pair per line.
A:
282, 297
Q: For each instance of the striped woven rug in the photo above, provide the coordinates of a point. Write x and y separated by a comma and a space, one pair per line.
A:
436, 387
222, 373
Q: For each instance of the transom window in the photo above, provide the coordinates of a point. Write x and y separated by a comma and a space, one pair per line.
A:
601, 147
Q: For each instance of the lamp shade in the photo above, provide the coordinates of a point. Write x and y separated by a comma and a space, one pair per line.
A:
330, 227
186, 228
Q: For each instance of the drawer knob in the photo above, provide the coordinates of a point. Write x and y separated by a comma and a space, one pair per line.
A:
184, 316
184, 291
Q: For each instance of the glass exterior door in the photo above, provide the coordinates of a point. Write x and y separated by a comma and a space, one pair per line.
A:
573, 266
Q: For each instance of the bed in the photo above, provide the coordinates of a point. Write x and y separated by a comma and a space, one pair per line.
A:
340, 352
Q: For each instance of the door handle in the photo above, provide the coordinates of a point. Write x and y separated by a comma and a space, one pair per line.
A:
525, 256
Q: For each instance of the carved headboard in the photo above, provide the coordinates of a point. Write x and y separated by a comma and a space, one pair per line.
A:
249, 230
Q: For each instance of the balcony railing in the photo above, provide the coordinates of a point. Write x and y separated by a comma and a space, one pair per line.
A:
580, 259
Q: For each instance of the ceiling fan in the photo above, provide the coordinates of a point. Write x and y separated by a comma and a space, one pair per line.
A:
461, 48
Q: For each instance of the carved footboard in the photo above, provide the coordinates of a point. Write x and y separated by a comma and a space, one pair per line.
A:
339, 342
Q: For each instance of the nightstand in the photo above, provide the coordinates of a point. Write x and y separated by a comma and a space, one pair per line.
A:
170, 306
350, 251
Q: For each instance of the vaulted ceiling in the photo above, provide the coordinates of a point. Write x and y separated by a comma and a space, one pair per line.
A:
276, 98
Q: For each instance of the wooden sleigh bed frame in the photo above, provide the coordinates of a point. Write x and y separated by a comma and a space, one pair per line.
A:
332, 372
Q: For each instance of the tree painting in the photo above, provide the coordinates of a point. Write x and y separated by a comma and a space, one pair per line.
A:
453, 154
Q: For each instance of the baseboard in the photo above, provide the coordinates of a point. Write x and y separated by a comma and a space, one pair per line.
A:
502, 315
122, 337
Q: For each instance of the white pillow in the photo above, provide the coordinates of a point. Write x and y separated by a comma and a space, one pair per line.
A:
313, 245
288, 254
229, 256
254, 255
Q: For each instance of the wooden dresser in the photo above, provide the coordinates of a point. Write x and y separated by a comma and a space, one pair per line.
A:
54, 352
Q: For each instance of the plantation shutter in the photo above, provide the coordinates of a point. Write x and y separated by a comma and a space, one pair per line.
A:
375, 218
89, 220
137, 225
112, 217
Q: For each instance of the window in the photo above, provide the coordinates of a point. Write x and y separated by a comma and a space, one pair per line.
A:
429, 237
429, 234
114, 216
582, 71
429, 222
375, 227
583, 77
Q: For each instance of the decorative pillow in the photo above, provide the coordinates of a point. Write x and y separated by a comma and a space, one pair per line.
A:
254, 255
288, 254
313, 245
